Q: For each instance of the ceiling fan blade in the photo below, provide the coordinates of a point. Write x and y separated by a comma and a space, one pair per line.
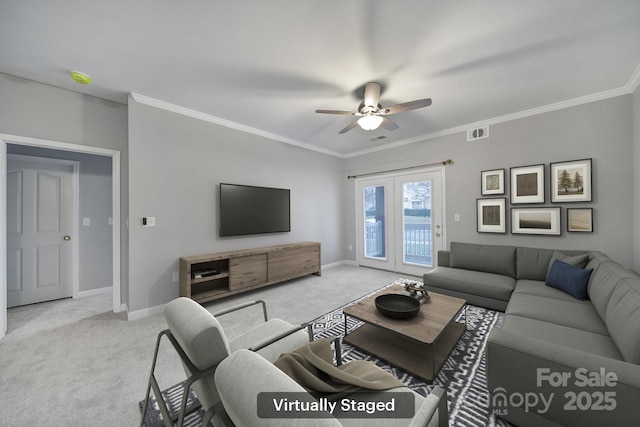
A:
346, 113
388, 124
371, 94
348, 128
407, 106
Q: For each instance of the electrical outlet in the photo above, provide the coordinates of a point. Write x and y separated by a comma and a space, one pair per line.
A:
86, 221
175, 276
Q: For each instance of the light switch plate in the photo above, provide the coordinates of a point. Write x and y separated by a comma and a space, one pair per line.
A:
149, 221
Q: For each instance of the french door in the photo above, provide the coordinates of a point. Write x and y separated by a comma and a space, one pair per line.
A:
400, 221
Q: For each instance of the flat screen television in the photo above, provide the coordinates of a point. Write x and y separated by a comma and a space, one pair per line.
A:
246, 209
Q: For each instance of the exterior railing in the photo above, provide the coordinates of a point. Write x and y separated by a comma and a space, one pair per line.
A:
374, 239
417, 242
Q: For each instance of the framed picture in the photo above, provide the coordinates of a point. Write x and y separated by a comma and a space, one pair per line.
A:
491, 215
580, 220
527, 184
493, 182
544, 221
571, 181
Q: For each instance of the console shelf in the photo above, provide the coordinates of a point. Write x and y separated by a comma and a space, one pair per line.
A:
230, 273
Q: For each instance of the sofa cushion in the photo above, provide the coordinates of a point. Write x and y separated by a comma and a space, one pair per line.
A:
539, 288
484, 258
603, 282
572, 313
488, 285
563, 335
532, 263
572, 280
623, 318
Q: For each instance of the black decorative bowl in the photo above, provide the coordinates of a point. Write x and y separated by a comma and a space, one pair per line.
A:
397, 306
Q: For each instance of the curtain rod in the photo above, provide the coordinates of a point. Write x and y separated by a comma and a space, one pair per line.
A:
443, 163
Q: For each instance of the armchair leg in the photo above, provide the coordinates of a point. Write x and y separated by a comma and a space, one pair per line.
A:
153, 384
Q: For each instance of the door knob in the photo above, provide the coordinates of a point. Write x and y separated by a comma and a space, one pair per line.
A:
67, 237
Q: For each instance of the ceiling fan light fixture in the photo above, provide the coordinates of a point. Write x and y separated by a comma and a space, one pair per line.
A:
370, 122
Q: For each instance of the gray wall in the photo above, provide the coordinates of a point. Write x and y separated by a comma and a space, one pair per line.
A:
177, 163
37, 110
599, 130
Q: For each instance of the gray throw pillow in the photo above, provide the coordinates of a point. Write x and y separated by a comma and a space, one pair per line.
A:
579, 261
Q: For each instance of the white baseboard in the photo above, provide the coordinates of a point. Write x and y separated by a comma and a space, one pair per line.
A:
92, 292
139, 314
339, 263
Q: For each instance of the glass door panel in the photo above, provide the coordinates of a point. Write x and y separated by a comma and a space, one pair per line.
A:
416, 223
374, 222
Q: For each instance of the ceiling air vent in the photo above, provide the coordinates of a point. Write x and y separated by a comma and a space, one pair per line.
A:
378, 138
478, 133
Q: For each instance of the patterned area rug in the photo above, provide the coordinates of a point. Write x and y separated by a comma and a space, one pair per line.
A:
463, 375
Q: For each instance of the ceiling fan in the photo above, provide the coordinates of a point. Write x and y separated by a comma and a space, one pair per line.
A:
371, 113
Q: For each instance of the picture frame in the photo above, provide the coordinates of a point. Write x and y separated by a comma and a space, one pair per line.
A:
538, 220
491, 215
580, 220
492, 182
527, 184
570, 181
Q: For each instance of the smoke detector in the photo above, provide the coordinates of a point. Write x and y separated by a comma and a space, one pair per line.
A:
80, 77
478, 133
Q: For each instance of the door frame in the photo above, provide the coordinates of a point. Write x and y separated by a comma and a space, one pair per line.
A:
75, 228
392, 214
115, 214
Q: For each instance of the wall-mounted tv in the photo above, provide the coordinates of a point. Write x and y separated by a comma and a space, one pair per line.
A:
246, 209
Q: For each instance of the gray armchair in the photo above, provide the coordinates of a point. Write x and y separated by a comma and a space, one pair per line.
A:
201, 343
243, 375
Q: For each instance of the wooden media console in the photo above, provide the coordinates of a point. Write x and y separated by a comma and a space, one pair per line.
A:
213, 276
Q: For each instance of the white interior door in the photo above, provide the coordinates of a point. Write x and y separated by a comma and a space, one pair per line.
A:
40, 220
400, 221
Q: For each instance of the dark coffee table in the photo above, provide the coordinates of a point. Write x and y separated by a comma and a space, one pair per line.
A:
419, 345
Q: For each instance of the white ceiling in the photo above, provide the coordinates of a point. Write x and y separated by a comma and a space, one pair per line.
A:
269, 64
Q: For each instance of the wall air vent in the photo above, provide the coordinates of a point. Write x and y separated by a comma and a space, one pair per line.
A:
478, 133
378, 138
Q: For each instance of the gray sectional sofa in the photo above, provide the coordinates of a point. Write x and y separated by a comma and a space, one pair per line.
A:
557, 360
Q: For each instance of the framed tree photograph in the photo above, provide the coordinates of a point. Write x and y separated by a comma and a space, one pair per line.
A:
571, 181
544, 221
580, 220
527, 184
492, 182
491, 215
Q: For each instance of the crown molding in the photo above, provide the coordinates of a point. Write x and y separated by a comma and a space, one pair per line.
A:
167, 106
634, 81
627, 89
630, 87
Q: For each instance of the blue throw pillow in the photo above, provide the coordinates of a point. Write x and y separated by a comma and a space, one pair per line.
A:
570, 279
